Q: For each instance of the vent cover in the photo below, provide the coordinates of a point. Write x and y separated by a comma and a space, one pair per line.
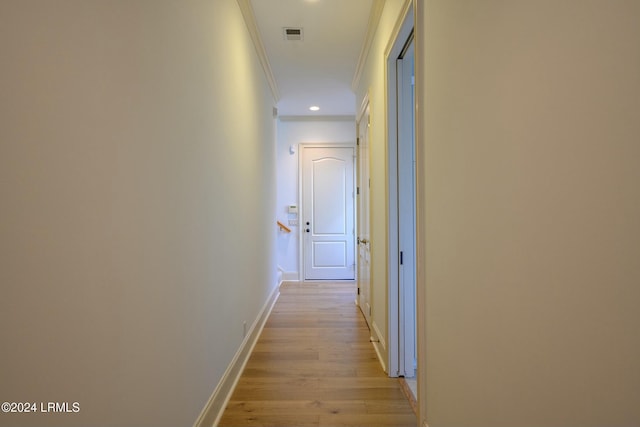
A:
293, 33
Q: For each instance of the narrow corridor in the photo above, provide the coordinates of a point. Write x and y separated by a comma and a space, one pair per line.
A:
314, 366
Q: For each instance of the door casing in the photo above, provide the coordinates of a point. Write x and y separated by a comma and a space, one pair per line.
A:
363, 209
399, 295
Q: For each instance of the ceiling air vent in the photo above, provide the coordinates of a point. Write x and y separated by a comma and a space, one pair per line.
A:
292, 34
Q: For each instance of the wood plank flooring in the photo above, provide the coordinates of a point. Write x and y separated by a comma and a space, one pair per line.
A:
314, 366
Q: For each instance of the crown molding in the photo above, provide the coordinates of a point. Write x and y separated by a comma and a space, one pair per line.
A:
372, 26
254, 32
406, 8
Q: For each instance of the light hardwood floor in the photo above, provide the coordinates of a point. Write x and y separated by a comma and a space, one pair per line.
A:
314, 366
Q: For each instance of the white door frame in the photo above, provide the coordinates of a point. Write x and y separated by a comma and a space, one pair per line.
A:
301, 148
363, 208
421, 284
396, 45
407, 215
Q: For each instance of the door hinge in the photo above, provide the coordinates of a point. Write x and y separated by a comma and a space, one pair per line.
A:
401, 258
358, 191
358, 141
358, 291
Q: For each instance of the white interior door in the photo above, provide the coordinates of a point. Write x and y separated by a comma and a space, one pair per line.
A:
406, 213
327, 225
364, 241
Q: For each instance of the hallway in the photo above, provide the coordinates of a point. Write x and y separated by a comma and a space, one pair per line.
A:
314, 366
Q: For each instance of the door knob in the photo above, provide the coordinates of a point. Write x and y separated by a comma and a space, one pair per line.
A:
307, 230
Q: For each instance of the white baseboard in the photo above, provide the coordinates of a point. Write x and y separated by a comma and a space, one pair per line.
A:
290, 276
379, 344
287, 276
212, 412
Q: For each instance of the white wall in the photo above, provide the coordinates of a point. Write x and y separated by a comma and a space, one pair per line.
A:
293, 131
531, 125
137, 218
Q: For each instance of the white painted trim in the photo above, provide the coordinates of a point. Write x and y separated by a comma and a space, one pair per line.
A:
290, 276
379, 345
286, 276
363, 107
372, 26
401, 31
213, 410
254, 32
323, 281
392, 216
398, 26
421, 283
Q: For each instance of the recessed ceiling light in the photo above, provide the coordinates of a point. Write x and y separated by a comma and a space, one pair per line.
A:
314, 108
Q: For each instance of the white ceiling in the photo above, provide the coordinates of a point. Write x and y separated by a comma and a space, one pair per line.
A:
320, 69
